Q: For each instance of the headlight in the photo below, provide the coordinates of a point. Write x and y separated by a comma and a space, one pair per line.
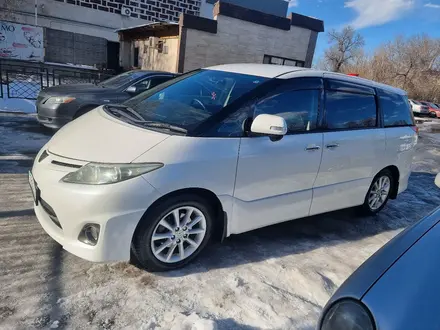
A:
95, 173
348, 315
59, 99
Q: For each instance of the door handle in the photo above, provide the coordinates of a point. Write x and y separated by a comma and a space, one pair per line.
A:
312, 148
332, 146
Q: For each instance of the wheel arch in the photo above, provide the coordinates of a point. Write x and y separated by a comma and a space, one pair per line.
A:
221, 220
396, 176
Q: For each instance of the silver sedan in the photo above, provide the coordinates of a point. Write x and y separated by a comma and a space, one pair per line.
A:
398, 288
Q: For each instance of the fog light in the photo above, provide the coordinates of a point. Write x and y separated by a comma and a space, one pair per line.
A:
89, 234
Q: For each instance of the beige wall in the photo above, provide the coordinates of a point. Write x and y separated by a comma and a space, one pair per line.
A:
151, 59
240, 41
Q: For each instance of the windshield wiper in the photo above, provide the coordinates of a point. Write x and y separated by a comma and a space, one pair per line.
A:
156, 124
123, 109
135, 118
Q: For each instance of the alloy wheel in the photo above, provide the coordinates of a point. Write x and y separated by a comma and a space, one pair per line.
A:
379, 192
178, 234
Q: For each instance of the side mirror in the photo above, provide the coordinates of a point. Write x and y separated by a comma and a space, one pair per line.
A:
131, 90
437, 180
269, 125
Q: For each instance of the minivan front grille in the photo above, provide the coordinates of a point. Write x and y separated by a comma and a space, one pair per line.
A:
55, 162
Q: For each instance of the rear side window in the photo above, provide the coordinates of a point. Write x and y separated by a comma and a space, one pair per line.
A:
346, 110
396, 110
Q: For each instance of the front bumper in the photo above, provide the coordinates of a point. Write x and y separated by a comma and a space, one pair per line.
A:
55, 115
117, 208
53, 122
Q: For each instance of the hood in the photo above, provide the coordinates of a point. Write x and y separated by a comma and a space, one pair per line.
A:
358, 284
405, 296
98, 137
62, 90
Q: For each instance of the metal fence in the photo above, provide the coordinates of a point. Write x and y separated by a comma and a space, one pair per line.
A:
24, 80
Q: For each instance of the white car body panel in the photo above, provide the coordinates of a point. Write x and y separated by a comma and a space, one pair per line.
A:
103, 139
117, 208
258, 181
400, 147
191, 162
267, 71
274, 180
347, 170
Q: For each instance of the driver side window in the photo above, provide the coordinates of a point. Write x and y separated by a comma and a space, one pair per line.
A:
143, 85
298, 107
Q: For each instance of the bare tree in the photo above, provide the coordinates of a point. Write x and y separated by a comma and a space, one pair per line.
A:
345, 46
412, 64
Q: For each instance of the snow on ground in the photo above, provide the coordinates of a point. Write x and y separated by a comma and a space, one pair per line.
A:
277, 277
17, 104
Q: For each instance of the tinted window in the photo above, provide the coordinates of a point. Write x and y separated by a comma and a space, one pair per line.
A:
191, 100
347, 86
122, 79
158, 80
299, 108
149, 83
350, 110
395, 109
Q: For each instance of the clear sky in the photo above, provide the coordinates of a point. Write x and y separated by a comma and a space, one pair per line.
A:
378, 21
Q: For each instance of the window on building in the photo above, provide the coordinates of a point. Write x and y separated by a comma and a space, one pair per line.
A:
270, 59
136, 57
160, 46
396, 110
346, 110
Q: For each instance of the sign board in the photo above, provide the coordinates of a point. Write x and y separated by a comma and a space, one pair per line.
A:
21, 42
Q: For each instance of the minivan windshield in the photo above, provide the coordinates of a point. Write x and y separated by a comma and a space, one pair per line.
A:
122, 79
188, 101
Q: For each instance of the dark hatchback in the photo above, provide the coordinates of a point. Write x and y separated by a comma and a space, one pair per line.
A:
56, 106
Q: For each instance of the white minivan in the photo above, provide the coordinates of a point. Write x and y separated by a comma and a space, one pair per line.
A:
216, 152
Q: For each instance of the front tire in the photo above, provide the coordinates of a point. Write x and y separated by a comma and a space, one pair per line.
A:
173, 233
379, 193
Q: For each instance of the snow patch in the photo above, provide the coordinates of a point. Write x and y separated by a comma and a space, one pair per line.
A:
18, 104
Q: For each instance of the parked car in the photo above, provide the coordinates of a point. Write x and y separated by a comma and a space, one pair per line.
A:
395, 289
418, 108
216, 152
56, 106
434, 110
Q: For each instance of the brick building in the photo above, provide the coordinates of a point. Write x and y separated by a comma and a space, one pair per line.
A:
150, 10
82, 31
234, 35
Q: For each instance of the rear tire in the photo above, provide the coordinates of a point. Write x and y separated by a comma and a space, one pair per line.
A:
182, 240
378, 193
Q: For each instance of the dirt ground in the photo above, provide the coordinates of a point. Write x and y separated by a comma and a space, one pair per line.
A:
272, 278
